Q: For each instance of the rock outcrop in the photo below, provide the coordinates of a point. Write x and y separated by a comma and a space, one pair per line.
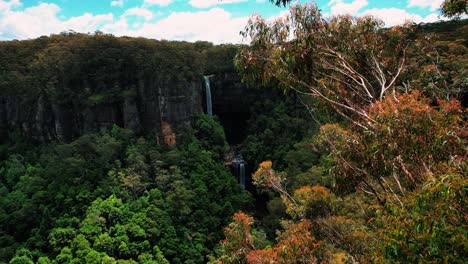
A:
152, 111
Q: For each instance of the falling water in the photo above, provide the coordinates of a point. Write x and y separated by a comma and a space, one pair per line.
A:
238, 164
209, 110
242, 174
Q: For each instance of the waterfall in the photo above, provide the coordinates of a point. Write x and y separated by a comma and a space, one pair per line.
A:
209, 110
242, 174
238, 164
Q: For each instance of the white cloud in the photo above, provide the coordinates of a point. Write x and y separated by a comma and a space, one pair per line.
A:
122, 27
281, 16
395, 16
4, 5
391, 16
31, 22
138, 11
215, 25
157, 2
119, 27
208, 3
86, 22
340, 7
433, 4
433, 18
117, 3
41, 20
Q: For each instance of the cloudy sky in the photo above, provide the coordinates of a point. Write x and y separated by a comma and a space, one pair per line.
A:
218, 21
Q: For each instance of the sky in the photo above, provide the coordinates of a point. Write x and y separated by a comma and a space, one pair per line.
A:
217, 21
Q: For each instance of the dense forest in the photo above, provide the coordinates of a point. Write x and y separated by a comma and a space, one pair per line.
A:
354, 140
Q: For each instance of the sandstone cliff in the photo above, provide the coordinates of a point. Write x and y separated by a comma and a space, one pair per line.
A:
59, 87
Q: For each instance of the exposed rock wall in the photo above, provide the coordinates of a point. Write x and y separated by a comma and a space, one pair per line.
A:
169, 103
154, 107
230, 95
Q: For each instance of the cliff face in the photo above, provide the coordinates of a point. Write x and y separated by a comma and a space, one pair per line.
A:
59, 87
232, 100
62, 86
229, 94
157, 109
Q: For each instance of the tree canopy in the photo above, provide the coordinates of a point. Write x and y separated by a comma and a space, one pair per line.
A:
454, 8
387, 183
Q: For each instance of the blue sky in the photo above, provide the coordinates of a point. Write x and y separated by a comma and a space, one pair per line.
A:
218, 21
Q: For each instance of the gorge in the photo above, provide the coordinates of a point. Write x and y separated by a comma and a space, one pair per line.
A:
128, 150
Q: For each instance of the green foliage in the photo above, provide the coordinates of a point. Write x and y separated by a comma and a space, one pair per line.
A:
100, 68
219, 58
211, 135
21, 260
114, 198
431, 227
75, 75
44, 260
454, 8
439, 72
23, 256
302, 166
275, 125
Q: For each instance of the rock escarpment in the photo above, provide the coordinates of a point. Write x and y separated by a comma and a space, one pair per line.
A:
153, 111
60, 87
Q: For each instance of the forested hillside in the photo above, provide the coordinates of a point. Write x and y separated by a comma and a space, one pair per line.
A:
354, 136
114, 196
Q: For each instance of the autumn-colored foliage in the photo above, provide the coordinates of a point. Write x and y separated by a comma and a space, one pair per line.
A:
416, 136
265, 176
412, 141
238, 242
409, 141
392, 165
311, 202
351, 235
296, 245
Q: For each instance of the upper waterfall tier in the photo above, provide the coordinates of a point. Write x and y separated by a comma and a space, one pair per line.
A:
209, 108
